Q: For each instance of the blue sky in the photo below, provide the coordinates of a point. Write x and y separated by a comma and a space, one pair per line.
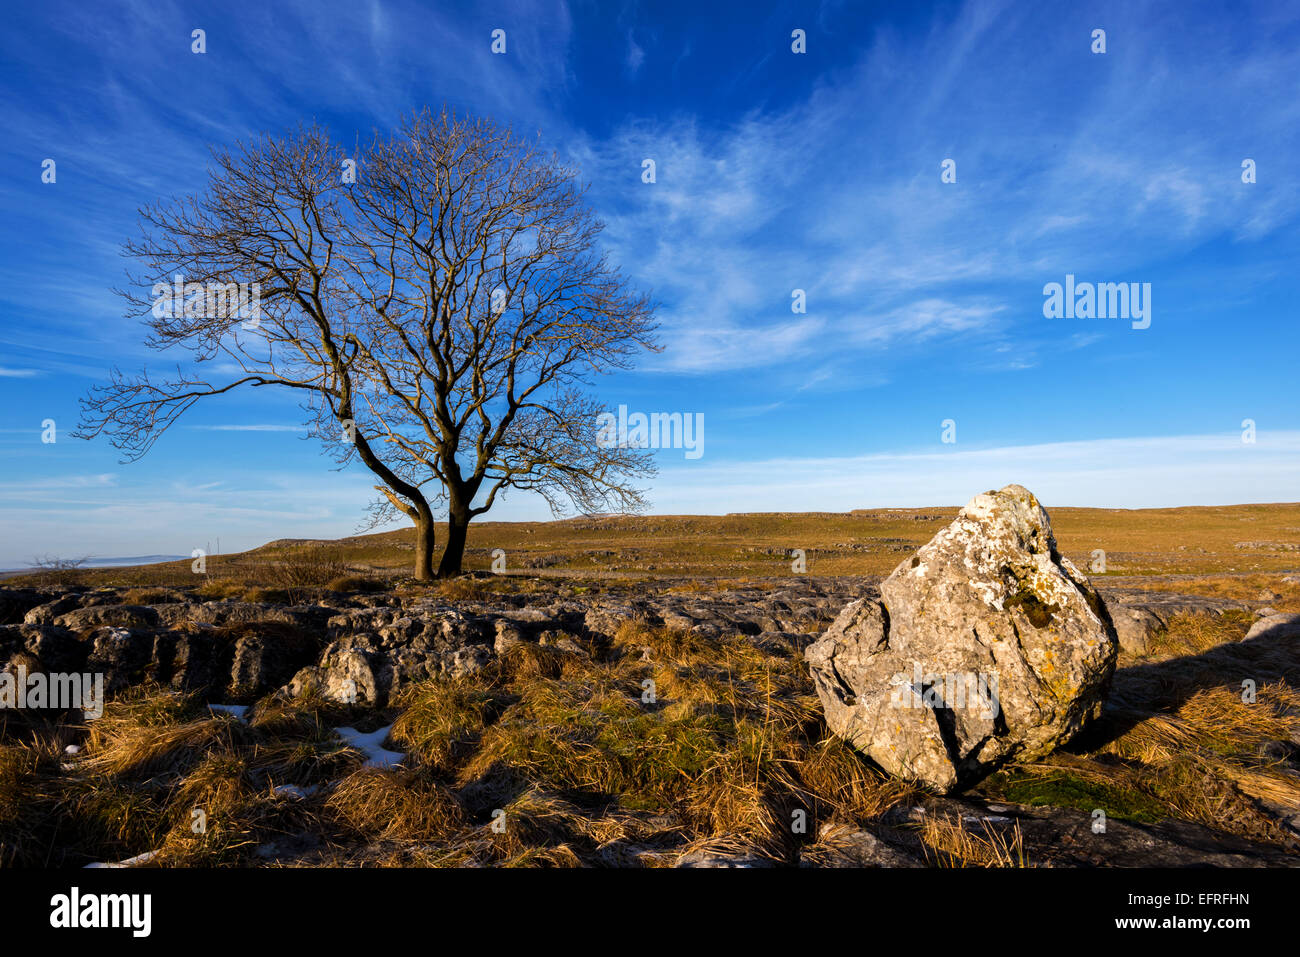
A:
775, 171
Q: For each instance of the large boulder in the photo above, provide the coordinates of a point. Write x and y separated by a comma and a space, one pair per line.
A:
986, 645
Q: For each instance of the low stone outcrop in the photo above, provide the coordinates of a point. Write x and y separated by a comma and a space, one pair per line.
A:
1139, 615
1275, 626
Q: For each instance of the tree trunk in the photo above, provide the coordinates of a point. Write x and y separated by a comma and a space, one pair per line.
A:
454, 554
424, 539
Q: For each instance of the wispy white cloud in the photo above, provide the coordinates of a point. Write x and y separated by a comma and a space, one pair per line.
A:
849, 205
39, 487
918, 321
1107, 473
635, 55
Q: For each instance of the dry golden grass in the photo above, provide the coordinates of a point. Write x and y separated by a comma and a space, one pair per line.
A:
1191, 635
1205, 760
150, 596
721, 737
217, 589
467, 589
356, 583
584, 764
441, 721
1182, 738
834, 782
629, 752
22, 805
395, 804
147, 737
951, 844
1259, 587
216, 814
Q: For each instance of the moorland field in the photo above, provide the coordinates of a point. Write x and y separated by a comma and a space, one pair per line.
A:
550, 735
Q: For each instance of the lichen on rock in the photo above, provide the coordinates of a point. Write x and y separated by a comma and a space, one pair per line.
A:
986, 645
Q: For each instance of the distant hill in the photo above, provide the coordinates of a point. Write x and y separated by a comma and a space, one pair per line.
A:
1167, 541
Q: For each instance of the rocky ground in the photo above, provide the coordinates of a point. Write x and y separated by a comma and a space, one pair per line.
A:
361, 648
367, 653
236, 651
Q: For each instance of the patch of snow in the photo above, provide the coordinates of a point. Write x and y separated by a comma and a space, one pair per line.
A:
144, 858
372, 745
238, 710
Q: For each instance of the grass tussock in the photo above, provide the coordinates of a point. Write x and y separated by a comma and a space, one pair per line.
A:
950, 843
160, 773
1197, 634
24, 802
709, 737
148, 733
356, 583
395, 804
220, 589
151, 596
442, 721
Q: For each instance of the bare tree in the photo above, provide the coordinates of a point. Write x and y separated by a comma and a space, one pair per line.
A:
439, 302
